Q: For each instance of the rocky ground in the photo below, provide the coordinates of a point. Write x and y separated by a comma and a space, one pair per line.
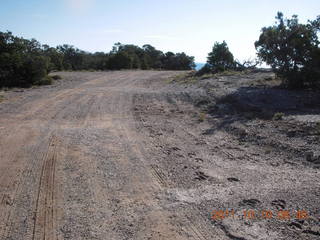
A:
159, 155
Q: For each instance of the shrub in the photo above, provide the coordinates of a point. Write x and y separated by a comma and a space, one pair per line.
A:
292, 50
120, 60
35, 69
278, 116
21, 62
220, 59
56, 77
47, 80
202, 117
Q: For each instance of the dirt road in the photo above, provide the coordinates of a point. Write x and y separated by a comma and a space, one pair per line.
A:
124, 155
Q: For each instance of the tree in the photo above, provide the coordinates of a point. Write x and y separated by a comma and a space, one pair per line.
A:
21, 62
56, 58
220, 59
154, 56
292, 50
128, 56
26, 62
73, 58
119, 60
179, 61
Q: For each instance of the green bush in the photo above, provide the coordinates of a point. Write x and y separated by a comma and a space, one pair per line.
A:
56, 77
292, 50
21, 62
47, 80
202, 117
221, 59
278, 116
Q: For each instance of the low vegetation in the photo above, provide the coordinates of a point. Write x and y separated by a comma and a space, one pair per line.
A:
56, 77
184, 78
202, 117
194, 76
278, 116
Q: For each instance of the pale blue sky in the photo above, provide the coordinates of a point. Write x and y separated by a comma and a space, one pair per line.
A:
191, 26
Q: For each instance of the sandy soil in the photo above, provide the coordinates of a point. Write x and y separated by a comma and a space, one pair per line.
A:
134, 155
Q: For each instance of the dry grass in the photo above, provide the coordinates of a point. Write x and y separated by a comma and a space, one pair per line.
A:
202, 117
268, 81
225, 73
190, 77
183, 78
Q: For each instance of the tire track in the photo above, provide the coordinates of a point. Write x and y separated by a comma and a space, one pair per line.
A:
159, 176
45, 212
194, 224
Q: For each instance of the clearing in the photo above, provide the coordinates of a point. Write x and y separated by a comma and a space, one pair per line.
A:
136, 155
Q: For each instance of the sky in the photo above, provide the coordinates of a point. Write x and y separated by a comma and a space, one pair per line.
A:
190, 26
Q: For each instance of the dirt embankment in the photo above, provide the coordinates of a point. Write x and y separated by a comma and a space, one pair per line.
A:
128, 155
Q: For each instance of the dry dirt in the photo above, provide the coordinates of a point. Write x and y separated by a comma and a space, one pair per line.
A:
134, 155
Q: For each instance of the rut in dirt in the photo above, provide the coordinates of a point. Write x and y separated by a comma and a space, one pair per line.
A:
127, 155
86, 172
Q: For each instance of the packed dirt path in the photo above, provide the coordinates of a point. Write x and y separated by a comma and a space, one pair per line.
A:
73, 165
121, 155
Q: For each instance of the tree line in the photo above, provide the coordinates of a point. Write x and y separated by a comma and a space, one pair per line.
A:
289, 47
26, 62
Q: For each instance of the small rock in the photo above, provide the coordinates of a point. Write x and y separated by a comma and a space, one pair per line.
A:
201, 176
191, 154
175, 149
199, 159
291, 133
316, 159
296, 225
232, 179
309, 156
7, 200
315, 230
